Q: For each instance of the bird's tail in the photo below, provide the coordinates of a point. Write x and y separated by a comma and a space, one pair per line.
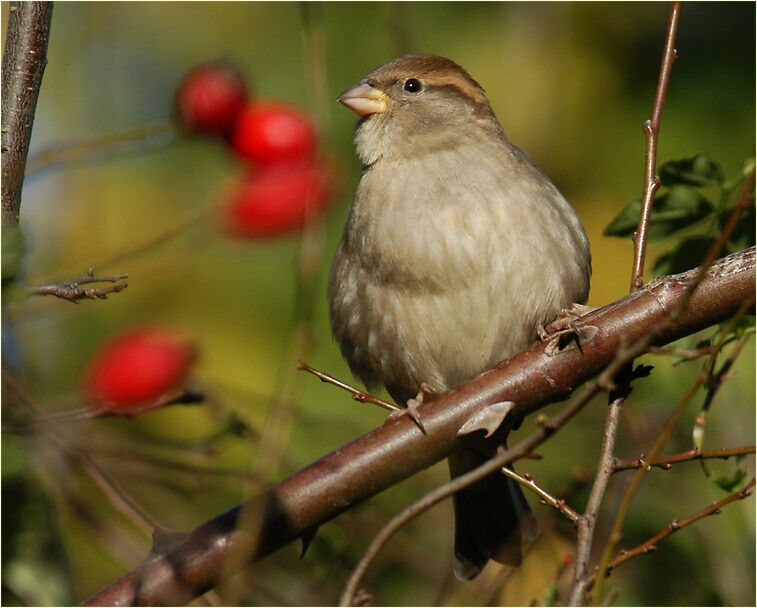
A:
492, 518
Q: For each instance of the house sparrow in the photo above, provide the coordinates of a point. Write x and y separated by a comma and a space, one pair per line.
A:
457, 249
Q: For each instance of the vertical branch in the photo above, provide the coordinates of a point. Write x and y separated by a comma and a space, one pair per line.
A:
24, 61
588, 520
651, 131
398, 18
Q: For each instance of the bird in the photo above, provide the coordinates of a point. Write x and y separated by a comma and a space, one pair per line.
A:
456, 251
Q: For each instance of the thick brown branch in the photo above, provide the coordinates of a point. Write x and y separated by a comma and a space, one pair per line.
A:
399, 449
24, 63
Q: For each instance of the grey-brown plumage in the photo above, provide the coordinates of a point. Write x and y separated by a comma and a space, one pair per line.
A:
455, 250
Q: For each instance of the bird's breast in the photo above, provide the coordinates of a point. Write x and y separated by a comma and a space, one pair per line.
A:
447, 267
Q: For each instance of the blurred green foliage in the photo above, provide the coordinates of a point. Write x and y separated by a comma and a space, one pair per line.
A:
572, 83
682, 211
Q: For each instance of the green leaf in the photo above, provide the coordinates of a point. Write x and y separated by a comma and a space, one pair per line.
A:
678, 208
730, 483
745, 324
743, 234
686, 255
626, 221
699, 170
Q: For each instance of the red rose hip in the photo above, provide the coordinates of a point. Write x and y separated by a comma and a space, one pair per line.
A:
269, 133
209, 98
137, 368
277, 200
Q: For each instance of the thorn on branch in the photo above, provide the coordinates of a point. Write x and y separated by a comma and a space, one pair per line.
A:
362, 598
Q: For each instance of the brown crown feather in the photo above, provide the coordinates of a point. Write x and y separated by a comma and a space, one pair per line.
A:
431, 69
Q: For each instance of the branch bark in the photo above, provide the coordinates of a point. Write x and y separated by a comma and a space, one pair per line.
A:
24, 62
399, 449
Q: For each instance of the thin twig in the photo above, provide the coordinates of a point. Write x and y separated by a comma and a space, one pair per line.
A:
651, 544
119, 498
715, 380
651, 132
71, 290
686, 354
283, 409
186, 397
357, 394
24, 61
137, 139
666, 462
527, 481
200, 218
587, 522
503, 457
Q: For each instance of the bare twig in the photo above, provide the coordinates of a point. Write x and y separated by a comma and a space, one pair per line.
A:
24, 62
651, 131
666, 462
651, 544
100, 147
527, 481
588, 520
686, 354
284, 406
113, 492
199, 218
186, 397
357, 394
503, 458
72, 291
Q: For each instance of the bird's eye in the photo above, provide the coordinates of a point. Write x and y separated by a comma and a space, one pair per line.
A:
412, 85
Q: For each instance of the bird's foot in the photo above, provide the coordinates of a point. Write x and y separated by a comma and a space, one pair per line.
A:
411, 408
556, 335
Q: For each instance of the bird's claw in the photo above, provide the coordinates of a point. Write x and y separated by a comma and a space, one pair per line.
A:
552, 334
411, 407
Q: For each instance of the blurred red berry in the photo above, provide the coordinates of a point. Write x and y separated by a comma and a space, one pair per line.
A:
137, 368
271, 132
277, 199
209, 98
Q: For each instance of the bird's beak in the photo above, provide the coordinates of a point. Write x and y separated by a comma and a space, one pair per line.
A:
364, 99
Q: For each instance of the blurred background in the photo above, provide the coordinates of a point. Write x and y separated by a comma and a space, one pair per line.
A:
572, 83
